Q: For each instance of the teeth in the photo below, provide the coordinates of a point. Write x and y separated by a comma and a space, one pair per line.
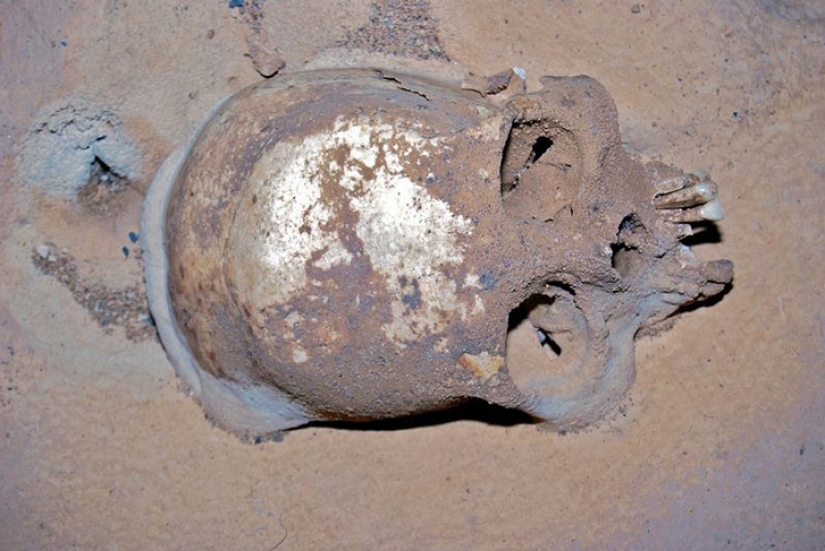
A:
691, 196
674, 183
695, 201
711, 211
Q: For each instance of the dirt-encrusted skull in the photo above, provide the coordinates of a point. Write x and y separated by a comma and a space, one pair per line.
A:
360, 244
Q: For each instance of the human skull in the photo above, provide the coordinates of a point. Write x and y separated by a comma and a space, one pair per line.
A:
361, 244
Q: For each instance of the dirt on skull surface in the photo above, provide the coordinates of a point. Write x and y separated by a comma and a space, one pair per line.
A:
719, 443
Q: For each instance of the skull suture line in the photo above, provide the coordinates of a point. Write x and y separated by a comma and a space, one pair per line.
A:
359, 244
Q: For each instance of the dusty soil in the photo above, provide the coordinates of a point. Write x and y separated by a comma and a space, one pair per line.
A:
719, 445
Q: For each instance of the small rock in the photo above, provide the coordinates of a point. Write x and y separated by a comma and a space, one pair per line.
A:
43, 251
264, 54
266, 62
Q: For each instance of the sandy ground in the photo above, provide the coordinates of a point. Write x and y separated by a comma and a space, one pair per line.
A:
720, 444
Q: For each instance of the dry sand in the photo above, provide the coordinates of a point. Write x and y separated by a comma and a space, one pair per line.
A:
720, 444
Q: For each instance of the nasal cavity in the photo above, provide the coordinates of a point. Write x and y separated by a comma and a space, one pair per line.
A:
627, 258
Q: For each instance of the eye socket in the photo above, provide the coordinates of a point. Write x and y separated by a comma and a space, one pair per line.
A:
539, 171
546, 341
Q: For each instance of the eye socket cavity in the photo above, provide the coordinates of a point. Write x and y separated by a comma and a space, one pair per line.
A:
547, 342
539, 171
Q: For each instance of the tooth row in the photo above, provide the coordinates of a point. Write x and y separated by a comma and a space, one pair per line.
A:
695, 202
697, 194
711, 211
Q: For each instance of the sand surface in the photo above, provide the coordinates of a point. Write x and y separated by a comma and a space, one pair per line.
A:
719, 445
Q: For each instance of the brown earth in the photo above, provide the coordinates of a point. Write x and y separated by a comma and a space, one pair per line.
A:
719, 445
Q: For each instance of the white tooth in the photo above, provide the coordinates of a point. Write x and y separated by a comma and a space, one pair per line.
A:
712, 211
705, 190
708, 212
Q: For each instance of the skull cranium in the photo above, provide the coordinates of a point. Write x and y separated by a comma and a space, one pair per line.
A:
360, 244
